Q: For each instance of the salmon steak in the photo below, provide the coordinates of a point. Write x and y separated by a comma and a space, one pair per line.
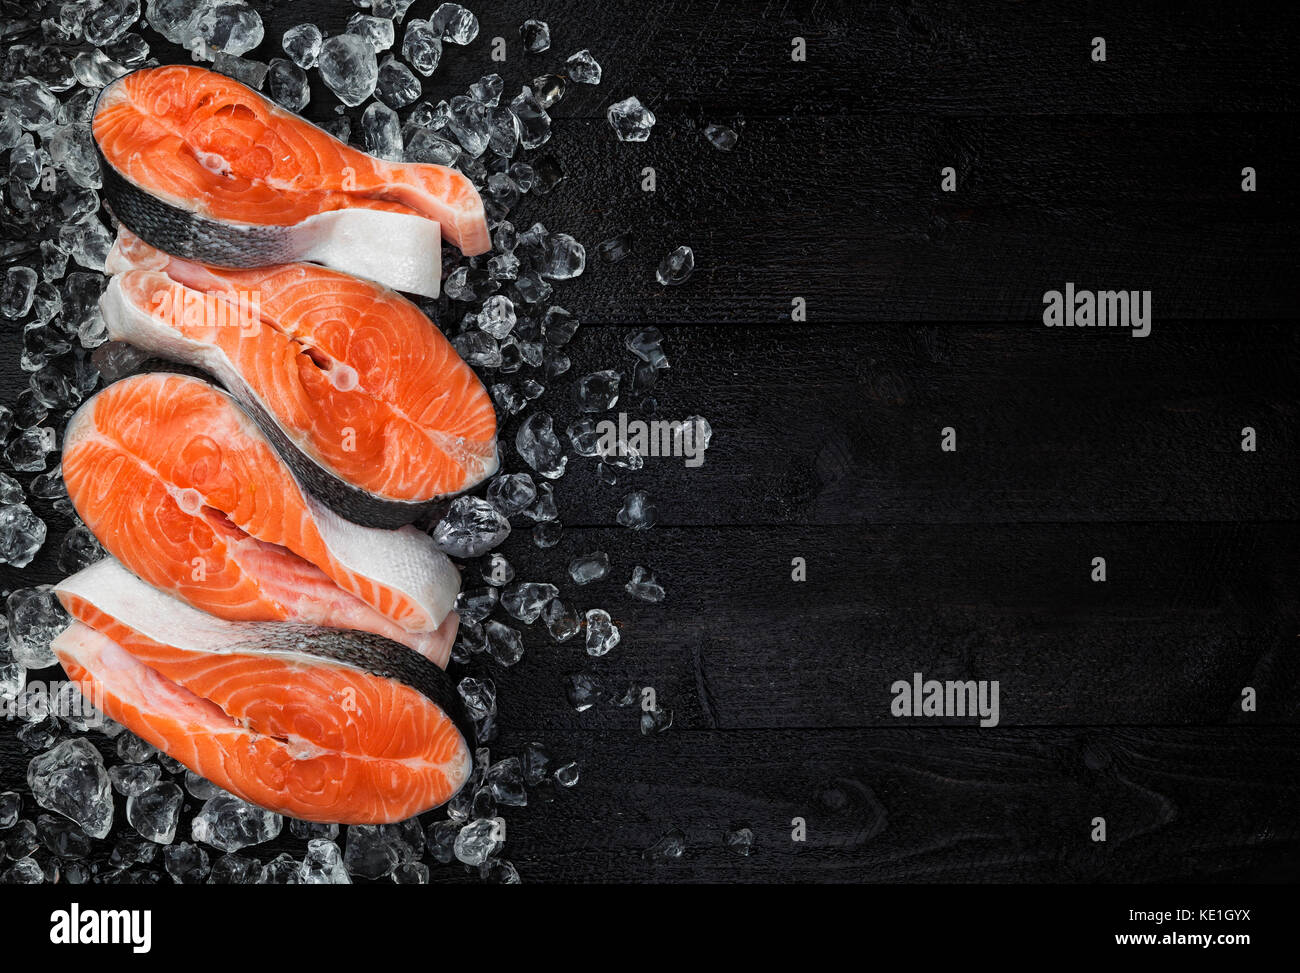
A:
362, 395
311, 722
180, 485
206, 168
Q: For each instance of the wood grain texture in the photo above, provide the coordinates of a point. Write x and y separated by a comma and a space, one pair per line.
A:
922, 57
1118, 699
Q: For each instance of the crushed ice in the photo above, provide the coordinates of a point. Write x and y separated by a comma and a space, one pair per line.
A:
502, 315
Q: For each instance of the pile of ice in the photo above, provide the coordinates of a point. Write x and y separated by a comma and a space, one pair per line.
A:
105, 806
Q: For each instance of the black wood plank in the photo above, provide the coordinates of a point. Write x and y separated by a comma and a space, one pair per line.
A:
1188, 617
900, 805
849, 215
842, 425
716, 60
924, 806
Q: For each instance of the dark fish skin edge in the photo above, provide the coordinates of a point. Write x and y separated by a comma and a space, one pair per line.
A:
369, 653
350, 502
336, 493
185, 234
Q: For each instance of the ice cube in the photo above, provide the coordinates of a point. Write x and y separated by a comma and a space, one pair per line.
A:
64, 838
565, 257
505, 779
720, 137
476, 604
18, 292
470, 528
540, 448
323, 864
479, 696
630, 120
25, 871
288, 85
11, 805
129, 50
477, 841
234, 870
511, 493
280, 870
422, 46
457, 25
505, 132
503, 266
602, 634
562, 620
526, 600
348, 67
567, 775
110, 19
582, 690
583, 68
71, 780
497, 317
23, 839
637, 513
504, 644
548, 89
536, 36
131, 779
668, 848
230, 26
498, 571
397, 86
411, 873
34, 618
229, 824
134, 750
534, 123
377, 31
393, 9
655, 720
302, 44
488, 89
470, 122
374, 850
739, 841
676, 267
549, 174
251, 73
560, 326
155, 812
643, 585
647, 345
544, 507
597, 392
186, 863
381, 132
423, 145
34, 105
587, 568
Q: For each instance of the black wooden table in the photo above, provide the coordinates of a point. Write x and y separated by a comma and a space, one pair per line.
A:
1120, 699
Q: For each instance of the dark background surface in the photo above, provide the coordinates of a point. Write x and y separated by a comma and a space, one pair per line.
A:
1118, 699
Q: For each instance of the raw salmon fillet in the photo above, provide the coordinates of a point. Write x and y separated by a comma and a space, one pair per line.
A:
181, 487
366, 400
315, 723
205, 167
